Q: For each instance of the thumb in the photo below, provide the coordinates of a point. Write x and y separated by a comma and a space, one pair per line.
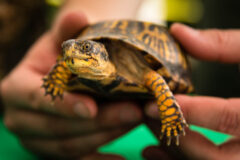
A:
211, 44
67, 25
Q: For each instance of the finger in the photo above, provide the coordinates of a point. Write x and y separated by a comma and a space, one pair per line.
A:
67, 25
35, 124
231, 148
30, 95
192, 146
96, 156
214, 113
196, 146
72, 147
212, 44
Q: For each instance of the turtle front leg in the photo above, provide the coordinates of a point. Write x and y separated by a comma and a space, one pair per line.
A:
172, 119
56, 80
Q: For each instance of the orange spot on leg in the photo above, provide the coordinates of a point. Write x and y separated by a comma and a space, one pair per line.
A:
168, 102
170, 111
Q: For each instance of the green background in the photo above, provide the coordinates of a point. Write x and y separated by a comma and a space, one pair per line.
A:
129, 146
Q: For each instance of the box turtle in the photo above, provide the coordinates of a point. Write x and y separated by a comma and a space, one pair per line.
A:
125, 57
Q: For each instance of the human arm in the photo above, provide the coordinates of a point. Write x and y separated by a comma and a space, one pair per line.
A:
211, 112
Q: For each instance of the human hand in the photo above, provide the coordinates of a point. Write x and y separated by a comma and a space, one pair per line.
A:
72, 127
219, 114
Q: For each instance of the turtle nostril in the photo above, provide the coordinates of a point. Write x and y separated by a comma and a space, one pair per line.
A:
72, 61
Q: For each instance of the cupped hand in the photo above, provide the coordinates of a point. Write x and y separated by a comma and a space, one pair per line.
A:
72, 127
219, 114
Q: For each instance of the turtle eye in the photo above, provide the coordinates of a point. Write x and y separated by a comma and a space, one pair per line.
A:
86, 47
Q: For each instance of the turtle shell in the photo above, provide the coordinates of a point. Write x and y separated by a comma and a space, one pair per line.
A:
154, 41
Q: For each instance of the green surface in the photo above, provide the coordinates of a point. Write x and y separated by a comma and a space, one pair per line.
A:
129, 145
10, 149
215, 137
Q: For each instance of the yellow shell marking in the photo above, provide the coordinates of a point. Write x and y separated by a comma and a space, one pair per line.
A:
158, 41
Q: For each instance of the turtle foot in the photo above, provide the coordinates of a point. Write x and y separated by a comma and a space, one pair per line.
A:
172, 130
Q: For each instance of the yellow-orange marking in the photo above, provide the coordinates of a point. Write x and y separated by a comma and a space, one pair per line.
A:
170, 111
162, 98
168, 102
174, 117
162, 108
158, 89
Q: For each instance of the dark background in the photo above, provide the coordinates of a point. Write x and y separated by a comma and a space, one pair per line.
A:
21, 23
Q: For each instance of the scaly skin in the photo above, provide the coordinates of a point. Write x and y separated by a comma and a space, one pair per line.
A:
172, 119
55, 82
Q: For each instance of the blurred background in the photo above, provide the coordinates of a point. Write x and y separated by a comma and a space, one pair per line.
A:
23, 21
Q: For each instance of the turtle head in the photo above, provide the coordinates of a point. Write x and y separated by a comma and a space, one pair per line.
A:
88, 59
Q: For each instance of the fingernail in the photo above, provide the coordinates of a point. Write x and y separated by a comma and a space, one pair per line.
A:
81, 110
129, 114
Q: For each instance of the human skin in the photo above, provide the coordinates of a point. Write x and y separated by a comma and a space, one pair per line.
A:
75, 126
215, 113
105, 9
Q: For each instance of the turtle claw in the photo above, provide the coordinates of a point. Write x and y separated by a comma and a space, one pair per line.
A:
168, 141
177, 140
51, 88
173, 130
183, 131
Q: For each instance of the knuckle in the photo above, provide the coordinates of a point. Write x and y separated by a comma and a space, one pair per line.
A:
229, 121
221, 37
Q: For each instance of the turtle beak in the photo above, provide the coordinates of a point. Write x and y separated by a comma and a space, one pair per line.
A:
68, 49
